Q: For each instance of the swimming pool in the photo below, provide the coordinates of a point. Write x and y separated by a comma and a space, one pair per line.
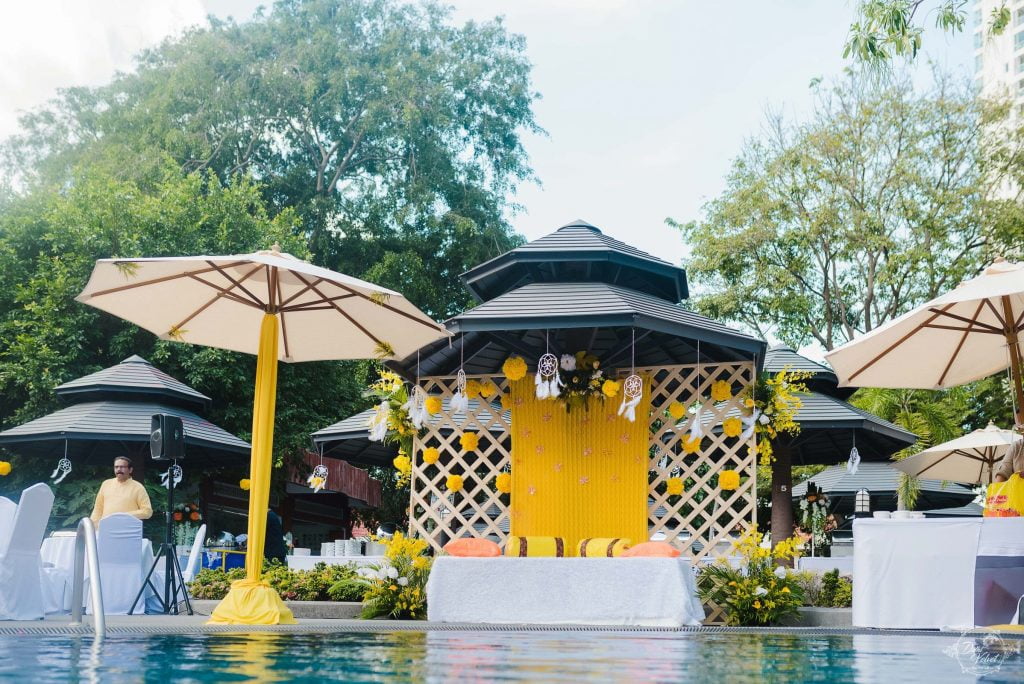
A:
444, 656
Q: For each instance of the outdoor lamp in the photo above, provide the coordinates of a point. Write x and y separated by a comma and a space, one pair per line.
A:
862, 504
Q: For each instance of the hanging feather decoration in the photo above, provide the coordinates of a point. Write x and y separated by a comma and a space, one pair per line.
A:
547, 380
853, 462
633, 390
63, 468
416, 407
460, 402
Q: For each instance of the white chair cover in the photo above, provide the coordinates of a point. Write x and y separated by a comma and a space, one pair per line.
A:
118, 544
21, 592
7, 511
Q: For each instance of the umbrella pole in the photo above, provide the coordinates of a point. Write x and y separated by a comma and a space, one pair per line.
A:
1013, 344
251, 601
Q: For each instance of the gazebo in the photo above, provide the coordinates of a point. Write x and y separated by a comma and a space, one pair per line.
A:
585, 472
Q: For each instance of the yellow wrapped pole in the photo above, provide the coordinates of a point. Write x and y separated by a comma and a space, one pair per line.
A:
251, 601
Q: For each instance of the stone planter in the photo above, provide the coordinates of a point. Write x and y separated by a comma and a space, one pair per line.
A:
822, 617
319, 610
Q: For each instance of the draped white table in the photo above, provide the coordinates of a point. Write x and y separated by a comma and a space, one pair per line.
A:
935, 573
654, 592
844, 564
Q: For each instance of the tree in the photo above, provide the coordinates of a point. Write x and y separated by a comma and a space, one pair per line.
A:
830, 228
885, 29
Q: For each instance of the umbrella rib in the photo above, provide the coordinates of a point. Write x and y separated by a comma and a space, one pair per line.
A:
963, 338
315, 305
934, 326
227, 293
339, 310
971, 322
307, 288
176, 329
897, 343
238, 283
998, 314
385, 305
161, 279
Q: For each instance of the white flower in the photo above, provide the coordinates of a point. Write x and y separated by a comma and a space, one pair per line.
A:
392, 573
381, 574
568, 362
780, 572
367, 572
379, 422
760, 591
403, 581
764, 419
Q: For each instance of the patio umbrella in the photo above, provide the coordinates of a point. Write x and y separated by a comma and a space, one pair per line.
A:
966, 334
275, 306
970, 458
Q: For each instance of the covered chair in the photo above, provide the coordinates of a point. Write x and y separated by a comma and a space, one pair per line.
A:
7, 510
119, 545
21, 594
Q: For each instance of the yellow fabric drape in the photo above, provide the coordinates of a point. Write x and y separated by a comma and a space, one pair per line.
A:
581, 473
251, 601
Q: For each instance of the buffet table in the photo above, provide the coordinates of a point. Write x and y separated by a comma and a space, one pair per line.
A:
937, 573
653, 592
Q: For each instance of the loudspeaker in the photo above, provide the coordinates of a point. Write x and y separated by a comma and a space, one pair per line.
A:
166, 437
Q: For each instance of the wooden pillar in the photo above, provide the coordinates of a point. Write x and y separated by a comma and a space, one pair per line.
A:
205, 490
287, 512
782, 493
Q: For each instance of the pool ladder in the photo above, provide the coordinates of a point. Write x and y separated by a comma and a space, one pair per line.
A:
85, 552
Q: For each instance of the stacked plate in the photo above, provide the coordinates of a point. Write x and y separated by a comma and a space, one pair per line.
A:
327, 549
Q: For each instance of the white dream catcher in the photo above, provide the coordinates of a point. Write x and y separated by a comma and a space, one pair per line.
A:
750, 422
693, 424
632, 388
548, 382
63, 467
174, 472
416, 404
460, 402
853, 462
318, 478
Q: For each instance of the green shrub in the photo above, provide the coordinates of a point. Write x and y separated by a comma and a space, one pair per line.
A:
828, 590
843, 598
829, 586
292, 585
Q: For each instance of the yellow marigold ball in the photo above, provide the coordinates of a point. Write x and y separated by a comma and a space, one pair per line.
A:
676, 410
433, 405
610, 388
728, 480
506, 402
473, 388
431, 455
5, 468
469, 441
503, 483
514, 368
488, 389
732, 427
691, 446
721, 391
674, 486
402, 464
244, 484
453, 483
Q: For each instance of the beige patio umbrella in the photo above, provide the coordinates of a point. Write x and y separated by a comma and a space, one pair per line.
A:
966, 334
277, 307
970, 458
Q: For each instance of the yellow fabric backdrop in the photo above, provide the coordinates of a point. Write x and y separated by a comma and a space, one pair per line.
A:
578, 474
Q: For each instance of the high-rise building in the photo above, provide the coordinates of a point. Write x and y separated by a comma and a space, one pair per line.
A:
998, 59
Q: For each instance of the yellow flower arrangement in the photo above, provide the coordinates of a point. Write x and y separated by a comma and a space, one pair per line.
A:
775, 398
674, 486
691, 446
610, 388
732, 427
244, 484
676, 410
396, 589
403, 464
431, 455
488, 389
473, 388
433, 405
5, 468
469, 441
514, 368
721, 390
728, 480
503, 483
453, 483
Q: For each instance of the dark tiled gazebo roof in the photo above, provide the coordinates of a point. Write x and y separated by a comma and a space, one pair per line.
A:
135, 377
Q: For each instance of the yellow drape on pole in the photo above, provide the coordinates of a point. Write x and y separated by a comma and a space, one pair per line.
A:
578, 474
251, 601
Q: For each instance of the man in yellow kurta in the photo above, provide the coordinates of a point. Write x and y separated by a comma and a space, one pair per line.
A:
122, 494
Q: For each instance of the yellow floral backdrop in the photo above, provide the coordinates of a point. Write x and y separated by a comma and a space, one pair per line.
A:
578, 474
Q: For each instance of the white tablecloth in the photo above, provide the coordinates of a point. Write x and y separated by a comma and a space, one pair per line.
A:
818, 564
308, 562
921, 573
656, 592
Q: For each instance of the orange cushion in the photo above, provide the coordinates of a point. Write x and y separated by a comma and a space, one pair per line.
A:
651, 550
470, 547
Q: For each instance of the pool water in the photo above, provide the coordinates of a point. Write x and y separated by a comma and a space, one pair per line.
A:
459, 656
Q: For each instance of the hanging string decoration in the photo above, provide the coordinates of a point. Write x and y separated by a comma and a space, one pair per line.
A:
175, 472
632, 388
694, 425
460, 400
317, 480
548, 382
853, 463
416, 407
63, 467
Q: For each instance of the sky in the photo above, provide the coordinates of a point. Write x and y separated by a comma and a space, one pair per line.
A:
645, 102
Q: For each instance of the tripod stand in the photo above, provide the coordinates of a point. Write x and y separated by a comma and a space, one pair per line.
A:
172, 569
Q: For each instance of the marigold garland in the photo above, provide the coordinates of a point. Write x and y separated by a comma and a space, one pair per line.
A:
728, 480
721, 390
5, 468
453, 483
676, 410
469, 441
732, 427
433, 405
674, 486
506, 402
403, 464
431, 455
514, 368
610, 388
244, 484
488, 389
503, 483
473, 388
691, 446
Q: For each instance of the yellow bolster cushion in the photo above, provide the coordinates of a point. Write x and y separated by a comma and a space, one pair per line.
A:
602, 547
535, 547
